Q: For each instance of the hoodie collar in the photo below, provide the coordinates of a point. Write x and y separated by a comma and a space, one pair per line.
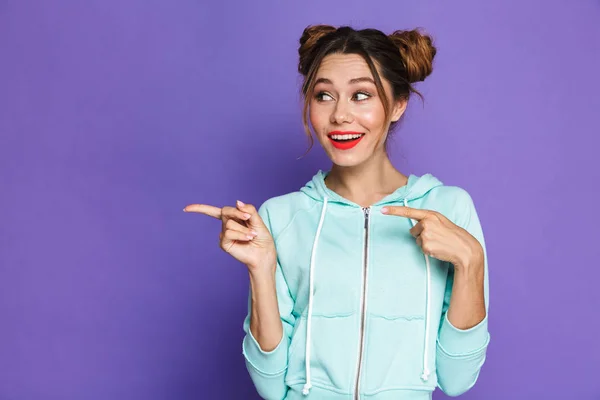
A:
416, 187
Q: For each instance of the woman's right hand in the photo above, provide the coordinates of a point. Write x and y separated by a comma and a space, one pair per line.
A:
244, 235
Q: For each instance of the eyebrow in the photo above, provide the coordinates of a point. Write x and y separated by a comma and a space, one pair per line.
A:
351, 81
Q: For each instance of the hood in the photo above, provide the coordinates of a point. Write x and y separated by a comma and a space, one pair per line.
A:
416, 187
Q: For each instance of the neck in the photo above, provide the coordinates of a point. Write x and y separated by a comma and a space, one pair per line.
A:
366, 183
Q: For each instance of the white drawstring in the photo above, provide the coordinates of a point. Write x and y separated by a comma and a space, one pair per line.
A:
308, 385
425, 374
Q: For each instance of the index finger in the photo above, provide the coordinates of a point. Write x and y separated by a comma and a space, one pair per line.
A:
402, 211
205, 209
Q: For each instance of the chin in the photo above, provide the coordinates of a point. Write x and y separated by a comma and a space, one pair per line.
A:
346, 160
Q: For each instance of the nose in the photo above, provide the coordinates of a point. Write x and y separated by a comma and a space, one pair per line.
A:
341, 113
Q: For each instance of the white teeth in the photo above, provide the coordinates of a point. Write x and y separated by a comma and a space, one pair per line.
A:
346, 137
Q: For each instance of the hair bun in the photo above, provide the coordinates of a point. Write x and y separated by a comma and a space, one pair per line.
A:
308, 40
417, 52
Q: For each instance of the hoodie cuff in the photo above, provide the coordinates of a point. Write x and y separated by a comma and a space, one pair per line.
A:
463, 342
272, 362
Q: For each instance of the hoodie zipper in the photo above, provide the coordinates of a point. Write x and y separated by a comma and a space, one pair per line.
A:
363, 301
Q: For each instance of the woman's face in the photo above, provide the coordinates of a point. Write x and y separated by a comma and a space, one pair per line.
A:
345, 111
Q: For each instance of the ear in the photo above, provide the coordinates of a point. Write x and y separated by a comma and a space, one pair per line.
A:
398, 109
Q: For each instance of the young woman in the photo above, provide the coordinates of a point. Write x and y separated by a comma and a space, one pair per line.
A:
366, 283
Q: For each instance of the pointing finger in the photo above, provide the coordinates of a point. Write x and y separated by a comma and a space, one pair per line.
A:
205, 209
407, 212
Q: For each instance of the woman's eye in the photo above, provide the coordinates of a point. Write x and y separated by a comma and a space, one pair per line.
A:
365, 96
321, 96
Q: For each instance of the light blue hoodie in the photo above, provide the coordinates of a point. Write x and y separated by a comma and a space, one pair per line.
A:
375, 326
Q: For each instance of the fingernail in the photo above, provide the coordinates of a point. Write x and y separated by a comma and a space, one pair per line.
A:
384, 210
184, 209
246, 215
240, 204
250, 237
254, 233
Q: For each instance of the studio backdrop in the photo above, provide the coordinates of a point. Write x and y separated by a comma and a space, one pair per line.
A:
115, 114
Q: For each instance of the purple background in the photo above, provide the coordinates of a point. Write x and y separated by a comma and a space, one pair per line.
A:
115, 114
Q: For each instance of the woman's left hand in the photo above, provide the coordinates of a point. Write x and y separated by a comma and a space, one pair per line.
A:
440, 238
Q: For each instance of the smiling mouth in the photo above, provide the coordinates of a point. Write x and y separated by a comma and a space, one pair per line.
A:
345, 140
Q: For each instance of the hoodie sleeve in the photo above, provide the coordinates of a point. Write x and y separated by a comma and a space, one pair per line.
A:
460, 353
267, 369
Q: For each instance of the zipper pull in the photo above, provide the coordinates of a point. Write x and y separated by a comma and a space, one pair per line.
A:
366, 211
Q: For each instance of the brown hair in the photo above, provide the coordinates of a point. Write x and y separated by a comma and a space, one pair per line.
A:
404, 57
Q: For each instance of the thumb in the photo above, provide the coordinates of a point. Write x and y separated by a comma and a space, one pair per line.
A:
255, 221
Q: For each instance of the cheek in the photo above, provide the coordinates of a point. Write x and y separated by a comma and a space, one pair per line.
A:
318, 117
371, 117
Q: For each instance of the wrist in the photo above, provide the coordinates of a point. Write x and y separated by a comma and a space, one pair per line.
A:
265, 265
264, 273
473, 259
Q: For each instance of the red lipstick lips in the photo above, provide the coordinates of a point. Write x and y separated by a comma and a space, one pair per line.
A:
348, 142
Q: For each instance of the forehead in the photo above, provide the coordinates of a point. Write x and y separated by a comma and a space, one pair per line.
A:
340, 68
